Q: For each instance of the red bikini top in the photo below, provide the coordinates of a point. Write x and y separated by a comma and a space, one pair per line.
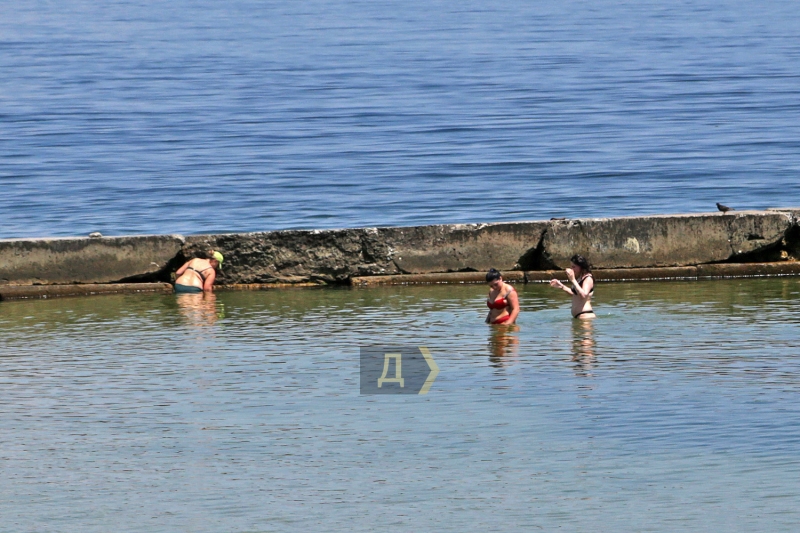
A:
500, 303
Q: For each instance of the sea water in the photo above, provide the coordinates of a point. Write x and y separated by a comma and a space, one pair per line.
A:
136, 116
675, 410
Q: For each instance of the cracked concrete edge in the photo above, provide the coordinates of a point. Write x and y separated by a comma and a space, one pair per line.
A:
338, 256
730, 270
667, 241
26, 292
724, 270
87, 260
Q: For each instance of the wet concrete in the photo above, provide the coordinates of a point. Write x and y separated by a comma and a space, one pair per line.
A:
24, 292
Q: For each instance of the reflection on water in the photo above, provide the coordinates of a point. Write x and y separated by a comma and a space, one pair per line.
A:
679, 407
583, 346
200, 309
503, 345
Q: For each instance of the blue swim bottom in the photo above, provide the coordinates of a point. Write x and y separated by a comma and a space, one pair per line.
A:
186, 289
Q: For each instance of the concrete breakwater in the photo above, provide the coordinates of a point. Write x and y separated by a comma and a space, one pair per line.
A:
620, 248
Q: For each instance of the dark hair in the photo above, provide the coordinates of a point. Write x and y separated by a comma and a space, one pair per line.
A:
581, 262
493, 275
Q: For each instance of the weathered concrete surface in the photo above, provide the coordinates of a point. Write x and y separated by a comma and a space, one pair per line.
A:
262, 286
794, 211
461, 251
666, 240
458, 247
85, 260
719, 270
448, 277
543, 276
791, 248
618, 274
335, 256
22, 292
743, 270
329, 256
625, 274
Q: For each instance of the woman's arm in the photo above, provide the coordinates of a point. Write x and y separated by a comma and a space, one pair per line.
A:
181, 270
584, 292
513, 302
208, 284
558, 285
577, 286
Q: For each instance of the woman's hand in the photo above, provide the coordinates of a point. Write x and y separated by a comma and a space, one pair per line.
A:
556, 284
570, 274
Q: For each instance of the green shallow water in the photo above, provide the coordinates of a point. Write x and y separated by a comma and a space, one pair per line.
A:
676, 410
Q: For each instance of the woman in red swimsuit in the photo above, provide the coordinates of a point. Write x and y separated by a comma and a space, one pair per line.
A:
503, 302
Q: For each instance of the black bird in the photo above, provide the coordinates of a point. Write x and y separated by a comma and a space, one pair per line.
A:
724, 208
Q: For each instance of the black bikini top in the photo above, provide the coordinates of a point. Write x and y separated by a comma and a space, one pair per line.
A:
580, 284
199, 272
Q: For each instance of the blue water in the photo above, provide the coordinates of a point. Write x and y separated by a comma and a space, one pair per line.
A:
151, 117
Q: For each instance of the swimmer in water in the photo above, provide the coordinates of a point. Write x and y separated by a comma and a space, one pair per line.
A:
581, 287
198, 274
503, 302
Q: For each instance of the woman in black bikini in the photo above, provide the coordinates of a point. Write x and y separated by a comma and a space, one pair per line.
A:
581, 287
198, 274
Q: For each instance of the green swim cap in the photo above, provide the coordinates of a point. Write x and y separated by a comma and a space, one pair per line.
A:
218, 257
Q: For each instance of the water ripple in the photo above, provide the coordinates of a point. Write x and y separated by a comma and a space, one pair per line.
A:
191, 117
677, 407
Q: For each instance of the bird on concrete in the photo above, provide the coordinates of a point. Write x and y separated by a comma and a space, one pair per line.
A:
724, 208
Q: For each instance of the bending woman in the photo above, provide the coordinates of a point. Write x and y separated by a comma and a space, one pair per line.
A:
198, 274
581, 287
503, 302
